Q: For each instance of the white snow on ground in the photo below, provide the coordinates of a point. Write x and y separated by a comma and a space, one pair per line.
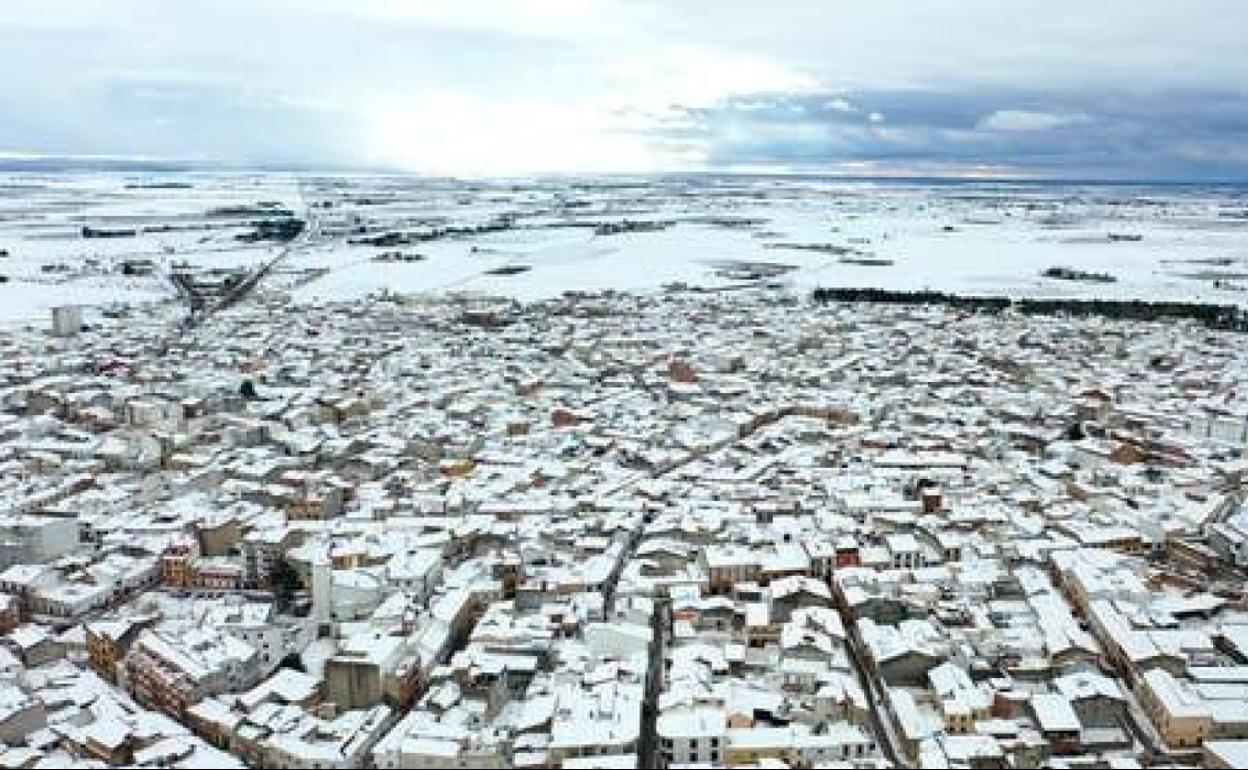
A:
22, 303
41, 221
980, 259
966, 238
958, 238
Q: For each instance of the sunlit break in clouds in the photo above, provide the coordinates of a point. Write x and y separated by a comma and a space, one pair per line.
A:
1111, 89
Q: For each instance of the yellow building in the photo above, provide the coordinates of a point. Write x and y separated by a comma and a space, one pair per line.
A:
1179, 713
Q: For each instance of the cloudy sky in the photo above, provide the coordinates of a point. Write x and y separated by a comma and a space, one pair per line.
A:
1086, 88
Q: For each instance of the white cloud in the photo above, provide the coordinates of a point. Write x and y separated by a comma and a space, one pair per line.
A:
661, 74
449, 133
601, 84
536, 18
648, 87
1027, 120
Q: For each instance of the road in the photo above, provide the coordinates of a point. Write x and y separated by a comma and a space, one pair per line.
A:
310, 231
1142, 727
884, 735
311, 228
648, 746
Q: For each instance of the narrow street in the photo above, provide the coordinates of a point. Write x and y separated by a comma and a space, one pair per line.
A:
882, 727
648, 748
1142, 727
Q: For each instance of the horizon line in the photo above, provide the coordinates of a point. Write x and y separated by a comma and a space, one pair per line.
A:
16, 162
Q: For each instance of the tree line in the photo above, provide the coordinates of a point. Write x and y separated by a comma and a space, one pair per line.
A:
1221, 317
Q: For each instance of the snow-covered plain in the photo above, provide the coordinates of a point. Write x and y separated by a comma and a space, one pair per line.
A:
968, 238
47, 262
549, 236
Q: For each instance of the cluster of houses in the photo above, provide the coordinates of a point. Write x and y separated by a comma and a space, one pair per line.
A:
679, 529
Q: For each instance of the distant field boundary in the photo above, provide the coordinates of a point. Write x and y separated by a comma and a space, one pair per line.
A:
1220, 317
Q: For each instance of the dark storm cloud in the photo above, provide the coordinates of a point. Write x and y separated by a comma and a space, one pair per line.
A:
1178, 133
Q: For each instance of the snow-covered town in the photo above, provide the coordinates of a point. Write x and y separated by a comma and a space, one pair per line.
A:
682, 528
571, 384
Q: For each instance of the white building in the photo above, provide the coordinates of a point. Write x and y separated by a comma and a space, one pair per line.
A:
692, 734
66, 320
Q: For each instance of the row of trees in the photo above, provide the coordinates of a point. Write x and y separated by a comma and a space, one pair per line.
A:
282, 230
1223, 317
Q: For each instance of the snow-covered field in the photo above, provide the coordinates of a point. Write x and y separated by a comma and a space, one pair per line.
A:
47, 261
532, 239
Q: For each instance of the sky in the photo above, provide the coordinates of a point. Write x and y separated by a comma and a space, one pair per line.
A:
1122, 89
